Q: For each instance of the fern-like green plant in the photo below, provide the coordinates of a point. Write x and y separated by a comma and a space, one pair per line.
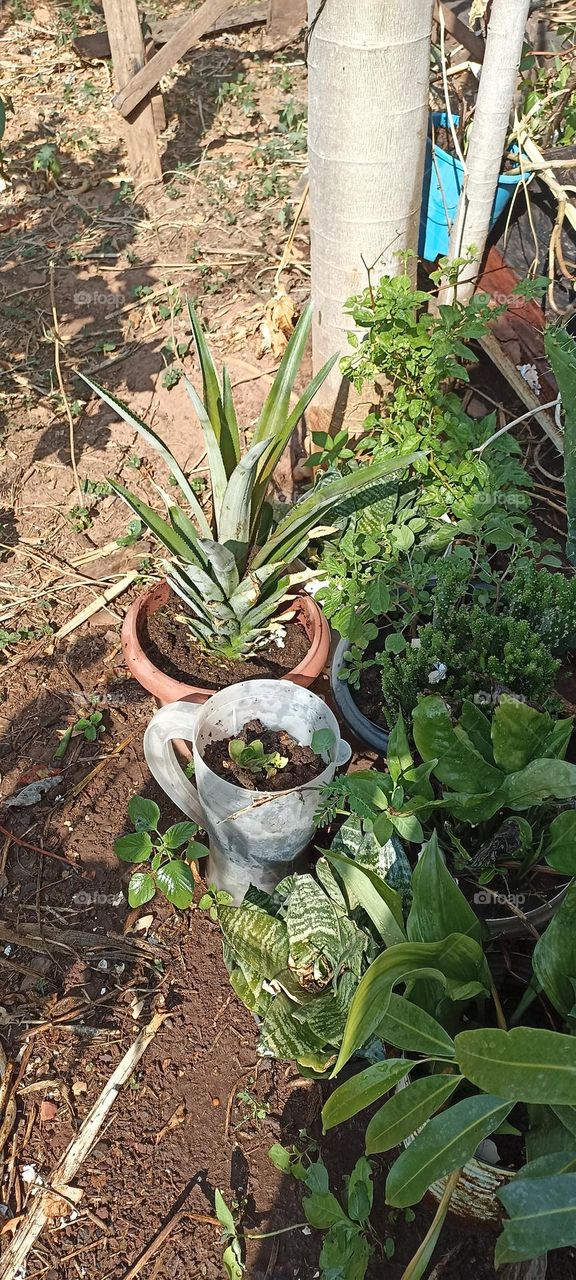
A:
560, 348
234, 571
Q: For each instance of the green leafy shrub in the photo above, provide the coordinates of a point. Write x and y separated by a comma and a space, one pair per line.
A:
167, 871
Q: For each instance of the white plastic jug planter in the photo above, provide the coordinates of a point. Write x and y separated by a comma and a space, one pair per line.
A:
255, 836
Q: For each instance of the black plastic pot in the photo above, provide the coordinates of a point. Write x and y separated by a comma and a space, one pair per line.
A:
361, 726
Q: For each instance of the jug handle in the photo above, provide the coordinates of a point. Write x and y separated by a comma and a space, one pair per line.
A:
176, 720
343, 753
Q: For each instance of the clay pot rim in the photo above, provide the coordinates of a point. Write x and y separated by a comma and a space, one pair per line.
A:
167, 689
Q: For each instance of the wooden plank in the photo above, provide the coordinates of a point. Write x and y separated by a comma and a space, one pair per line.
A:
250, 15
516, 338
128, 57
460, 31
286, 18
145, 79
96, 44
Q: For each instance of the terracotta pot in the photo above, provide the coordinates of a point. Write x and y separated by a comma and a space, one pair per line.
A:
165, 689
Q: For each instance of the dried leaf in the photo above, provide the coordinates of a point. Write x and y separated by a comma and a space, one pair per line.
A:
278, 324
477, 10
178, 1117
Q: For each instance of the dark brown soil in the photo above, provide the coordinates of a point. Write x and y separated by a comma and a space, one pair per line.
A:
491, 901
170, 647
368, 697
303, 763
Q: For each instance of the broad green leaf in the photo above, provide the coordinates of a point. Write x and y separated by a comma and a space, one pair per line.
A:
152, 439
567, 1118
539, 781
144, 814
406, 1112
438, 905
280, 1157
541, 1216
223, 1213
445, 1143
232, 1263
398, 754
136, 847
360, 1191
517, 734
407, 1026
526, 1064
322, 1210
176, 882
560, 349
381, 903
345, 1252
181, 833
322, 741
258, 939
554, 957
362, 1089
408, 826
556, 1162
141, 889
457, 962
559, 848
476, 726
459, 765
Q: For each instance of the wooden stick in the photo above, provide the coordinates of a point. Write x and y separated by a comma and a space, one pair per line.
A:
127, 48
68, 1165
461, 32
546, 173
100, 601
147, 78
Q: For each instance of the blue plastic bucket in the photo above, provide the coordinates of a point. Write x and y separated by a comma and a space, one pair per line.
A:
443, 176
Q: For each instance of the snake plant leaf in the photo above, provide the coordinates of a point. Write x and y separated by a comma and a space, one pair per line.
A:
456, 962
258, 940
445, 1143
361, 1090
526, 1064
312, 923
235, 516
218, 472
438, 905
224, 426
554, 957
290, 1039
306, 513
560, 348
407, 1026
165, 533
284, 434
381, 903
406, 1112
541, 1216
156, 443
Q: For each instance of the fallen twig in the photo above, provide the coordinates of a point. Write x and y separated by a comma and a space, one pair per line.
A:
36, 848
98, 603
67, 1167
62, 387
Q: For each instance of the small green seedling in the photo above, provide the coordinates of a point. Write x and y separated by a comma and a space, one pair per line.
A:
323, 742
168, 871
89, 727
232, 1257
252, 757
256, 1109
212, 899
